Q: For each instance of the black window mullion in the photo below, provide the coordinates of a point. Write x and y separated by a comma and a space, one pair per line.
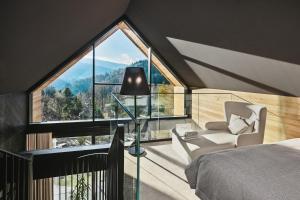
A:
93, 95
98, 83
150, 82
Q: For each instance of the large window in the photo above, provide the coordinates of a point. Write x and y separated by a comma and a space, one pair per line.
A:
112, 56
67, 95
81, 89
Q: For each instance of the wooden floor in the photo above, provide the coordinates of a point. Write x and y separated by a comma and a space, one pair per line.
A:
162, 174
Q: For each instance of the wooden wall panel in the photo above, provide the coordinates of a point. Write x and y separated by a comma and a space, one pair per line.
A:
179, 101
283, 118
40, 189
36, 110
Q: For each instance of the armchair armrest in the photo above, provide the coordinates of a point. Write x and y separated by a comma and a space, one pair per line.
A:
217, 125
248, 139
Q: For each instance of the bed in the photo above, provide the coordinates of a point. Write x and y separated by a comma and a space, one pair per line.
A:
257, 172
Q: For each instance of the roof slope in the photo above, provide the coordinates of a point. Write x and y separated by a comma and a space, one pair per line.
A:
36, 36
236, 45
251, 46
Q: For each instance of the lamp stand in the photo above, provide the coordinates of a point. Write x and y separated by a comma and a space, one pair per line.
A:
135, 149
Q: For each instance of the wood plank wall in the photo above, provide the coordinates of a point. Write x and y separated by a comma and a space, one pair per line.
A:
42, 188
283, 118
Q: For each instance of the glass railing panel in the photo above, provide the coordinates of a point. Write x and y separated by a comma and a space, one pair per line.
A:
162, 105
103, 101
165, 110
142, 107
104, 139
239, 99
160, 128
209, 107
124, 113
167, 105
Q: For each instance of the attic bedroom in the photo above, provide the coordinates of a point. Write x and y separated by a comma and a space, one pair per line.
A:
136, 99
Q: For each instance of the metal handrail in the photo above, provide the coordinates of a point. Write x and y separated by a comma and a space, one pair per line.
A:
15, 155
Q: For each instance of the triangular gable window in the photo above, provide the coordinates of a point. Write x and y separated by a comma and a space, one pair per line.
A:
81, 89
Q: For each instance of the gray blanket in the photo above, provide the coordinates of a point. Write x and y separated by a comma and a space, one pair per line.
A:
260, 172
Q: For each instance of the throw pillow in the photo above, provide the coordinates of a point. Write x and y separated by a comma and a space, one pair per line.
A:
237, 125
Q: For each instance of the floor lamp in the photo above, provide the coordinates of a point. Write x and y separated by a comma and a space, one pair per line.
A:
135, 84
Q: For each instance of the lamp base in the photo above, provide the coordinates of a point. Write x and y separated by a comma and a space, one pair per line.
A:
131, 151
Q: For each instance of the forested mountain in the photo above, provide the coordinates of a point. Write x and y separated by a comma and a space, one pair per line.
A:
79, 77
70, 96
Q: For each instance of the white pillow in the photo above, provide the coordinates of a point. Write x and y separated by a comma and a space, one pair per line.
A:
237, 125
234, 117
252, 122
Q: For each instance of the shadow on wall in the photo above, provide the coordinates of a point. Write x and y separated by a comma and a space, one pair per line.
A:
223, 69
249, 28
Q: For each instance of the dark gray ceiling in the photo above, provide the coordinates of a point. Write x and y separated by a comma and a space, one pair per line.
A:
234, 44
36, 36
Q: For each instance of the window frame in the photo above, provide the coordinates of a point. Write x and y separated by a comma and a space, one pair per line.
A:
129, 29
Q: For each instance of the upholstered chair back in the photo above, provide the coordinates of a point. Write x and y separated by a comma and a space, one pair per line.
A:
247, 110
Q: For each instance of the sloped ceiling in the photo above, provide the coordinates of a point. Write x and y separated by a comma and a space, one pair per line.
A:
251, 46
234, 44
36, 36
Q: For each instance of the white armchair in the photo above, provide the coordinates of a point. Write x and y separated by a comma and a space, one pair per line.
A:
258, 114
217, 136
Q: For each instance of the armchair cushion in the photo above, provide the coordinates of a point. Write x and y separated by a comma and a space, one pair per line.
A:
219, 138
248, 139
217, 125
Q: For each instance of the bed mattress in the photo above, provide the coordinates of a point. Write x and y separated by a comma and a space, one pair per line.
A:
257, 172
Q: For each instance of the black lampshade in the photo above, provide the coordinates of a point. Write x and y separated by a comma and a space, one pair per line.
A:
135, 82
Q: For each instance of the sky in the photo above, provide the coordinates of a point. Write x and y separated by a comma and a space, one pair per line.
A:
118, 48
